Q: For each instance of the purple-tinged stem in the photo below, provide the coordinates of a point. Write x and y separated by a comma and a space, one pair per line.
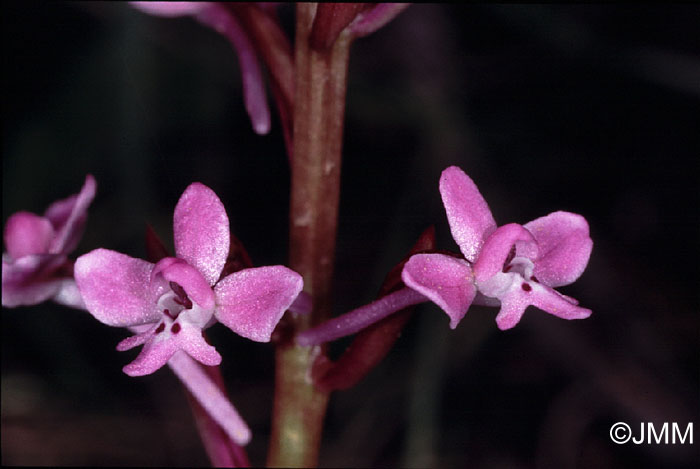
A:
371, 345
319, 107
358, 319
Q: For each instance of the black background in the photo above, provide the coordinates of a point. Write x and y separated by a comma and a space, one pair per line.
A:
587, 108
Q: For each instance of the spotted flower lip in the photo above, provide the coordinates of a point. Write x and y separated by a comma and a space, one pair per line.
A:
171, 302
221, 19
35, 266
512, 265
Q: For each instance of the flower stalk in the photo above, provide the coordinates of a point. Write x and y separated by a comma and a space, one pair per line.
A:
319, 106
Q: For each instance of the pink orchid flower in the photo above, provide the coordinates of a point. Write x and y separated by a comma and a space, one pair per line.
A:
171, 302
222, 20
35, 267
513, 266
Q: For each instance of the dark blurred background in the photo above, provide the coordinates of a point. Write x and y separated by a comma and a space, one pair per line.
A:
592, 109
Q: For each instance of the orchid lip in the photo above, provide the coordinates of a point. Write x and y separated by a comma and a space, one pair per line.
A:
517, 271
175, 304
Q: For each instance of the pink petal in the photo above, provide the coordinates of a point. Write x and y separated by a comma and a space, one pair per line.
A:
169, 9
468, 213
201, 231
32, 294
30, 268
190, 340
554, 303
154, 355
29, 281
223, 21
498, 246
138, 339
69, 216
26, 234
59, 211
565, 247
252, 301
378, 16
115, 288
189, 278
510, 314
445, 280
513, 305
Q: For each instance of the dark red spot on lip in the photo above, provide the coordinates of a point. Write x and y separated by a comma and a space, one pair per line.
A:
175, 328
160, 328
526, 287
167, 313
534, 279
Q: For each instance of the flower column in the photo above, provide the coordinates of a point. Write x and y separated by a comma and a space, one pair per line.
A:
321, 77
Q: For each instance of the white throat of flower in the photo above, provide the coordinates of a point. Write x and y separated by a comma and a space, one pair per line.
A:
517, 271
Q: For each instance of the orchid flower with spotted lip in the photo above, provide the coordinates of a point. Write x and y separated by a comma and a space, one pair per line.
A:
512, 265
35, 267
169, 303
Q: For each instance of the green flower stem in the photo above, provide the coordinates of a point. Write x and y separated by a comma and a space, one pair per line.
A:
319, 106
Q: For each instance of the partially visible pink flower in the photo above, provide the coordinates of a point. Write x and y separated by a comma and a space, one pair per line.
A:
221, 19
174, 300
513, 266
35, 267
374, 18
359, 19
